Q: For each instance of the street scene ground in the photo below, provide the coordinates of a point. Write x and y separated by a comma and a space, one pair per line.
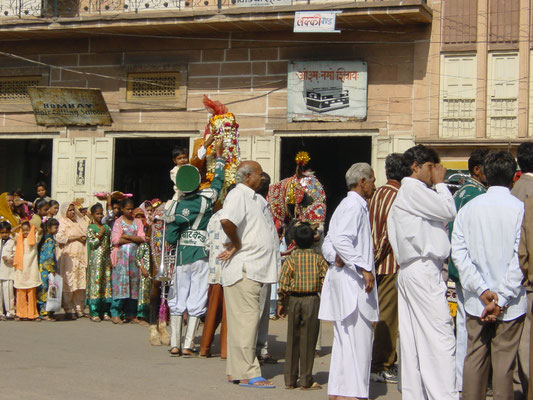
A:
87, 360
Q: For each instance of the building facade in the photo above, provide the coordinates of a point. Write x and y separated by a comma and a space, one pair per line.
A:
453, 74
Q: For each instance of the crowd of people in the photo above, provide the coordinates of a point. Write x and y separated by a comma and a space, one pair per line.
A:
215, 252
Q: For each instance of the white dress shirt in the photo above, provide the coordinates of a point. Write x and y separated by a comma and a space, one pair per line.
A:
350, 238
259, 254
485, 241
417, 222
216, 237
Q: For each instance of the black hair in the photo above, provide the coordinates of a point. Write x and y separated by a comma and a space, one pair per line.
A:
96, 207
5, 225
525, 157
265, 184
304, 236
178, 151
126, 201
40, 203
25, 223
50, 223
52, 203
147, 203
115, 201
477, 157
421, 154
19, 193
500, 168
41, 184
395, 167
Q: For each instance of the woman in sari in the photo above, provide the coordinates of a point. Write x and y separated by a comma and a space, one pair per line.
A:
72, 259
126, 236
7, 213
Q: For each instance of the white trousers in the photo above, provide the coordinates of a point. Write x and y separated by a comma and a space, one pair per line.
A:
461, 335
427, 339
351, 356
189, 289
7, 297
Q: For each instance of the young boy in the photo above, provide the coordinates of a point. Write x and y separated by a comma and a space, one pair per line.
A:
180, 157
7, 274
40, 188
300, 282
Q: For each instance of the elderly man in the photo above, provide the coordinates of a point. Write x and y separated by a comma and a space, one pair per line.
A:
252, 261
485, 242
349, 297
417, 233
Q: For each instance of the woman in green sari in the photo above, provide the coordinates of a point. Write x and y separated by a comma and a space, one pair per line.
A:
99, 267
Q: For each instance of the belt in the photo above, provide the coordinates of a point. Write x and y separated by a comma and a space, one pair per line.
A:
303, 294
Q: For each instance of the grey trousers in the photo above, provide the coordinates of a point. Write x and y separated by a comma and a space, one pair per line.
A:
489, 344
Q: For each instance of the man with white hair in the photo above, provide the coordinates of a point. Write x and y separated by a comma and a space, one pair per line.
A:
349, 297
252, 259
417, 233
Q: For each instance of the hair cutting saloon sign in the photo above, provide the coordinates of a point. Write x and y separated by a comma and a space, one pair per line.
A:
69, 106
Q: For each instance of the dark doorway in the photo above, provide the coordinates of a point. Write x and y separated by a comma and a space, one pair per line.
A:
330, 159
142, 167
23, 163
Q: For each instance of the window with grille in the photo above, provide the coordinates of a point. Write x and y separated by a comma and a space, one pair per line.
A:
16, 88
153, 86
458, 96
502, 91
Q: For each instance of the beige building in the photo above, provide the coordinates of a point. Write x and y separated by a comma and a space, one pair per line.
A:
454, 74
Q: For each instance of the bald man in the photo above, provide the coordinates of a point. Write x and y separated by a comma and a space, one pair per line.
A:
251, 260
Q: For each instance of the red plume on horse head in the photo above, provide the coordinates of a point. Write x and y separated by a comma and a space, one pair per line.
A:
214, 107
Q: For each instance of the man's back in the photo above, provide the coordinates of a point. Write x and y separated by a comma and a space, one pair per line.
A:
523, 188
485, 248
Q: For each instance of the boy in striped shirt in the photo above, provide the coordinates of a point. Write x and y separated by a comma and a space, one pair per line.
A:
300, 283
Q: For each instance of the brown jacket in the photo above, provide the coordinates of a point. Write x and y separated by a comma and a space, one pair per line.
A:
523, 188
525, 251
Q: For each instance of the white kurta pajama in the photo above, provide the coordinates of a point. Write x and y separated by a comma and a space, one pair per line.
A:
416, 228
345, 301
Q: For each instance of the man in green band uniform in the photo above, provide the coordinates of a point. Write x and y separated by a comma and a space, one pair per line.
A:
473, 187
189, 286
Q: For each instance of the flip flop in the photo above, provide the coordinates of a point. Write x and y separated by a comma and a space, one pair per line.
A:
255, 380
314, 386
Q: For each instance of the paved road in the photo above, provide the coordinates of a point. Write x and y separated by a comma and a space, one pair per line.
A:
87, 360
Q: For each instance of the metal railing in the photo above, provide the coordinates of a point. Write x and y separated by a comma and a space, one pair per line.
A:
77, 8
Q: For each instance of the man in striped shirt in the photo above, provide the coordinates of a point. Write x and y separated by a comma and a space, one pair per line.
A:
386, 329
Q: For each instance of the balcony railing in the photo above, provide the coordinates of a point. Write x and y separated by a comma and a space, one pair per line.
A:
80, 8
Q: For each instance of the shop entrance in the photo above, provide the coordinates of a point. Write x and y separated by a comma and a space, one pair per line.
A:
23, 163
330, 159
142, 167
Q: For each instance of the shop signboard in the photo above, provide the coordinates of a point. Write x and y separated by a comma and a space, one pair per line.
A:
55, 106
327, 91
263, 3
315, 21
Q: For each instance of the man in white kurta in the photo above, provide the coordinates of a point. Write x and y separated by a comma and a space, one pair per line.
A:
416, 228
251, 261
349, 297
485, 242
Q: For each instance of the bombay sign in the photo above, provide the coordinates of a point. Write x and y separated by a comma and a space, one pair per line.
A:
327, 91
315, 21
69, 106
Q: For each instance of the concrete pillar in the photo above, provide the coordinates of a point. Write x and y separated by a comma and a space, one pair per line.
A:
523, 70
482, 71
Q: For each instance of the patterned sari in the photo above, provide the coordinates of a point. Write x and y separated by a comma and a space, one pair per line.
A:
99, 270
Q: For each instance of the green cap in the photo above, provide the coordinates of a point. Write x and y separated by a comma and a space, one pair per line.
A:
188, 178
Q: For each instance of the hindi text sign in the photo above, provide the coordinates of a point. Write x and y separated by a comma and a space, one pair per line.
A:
327, 91
315, 21
69, 106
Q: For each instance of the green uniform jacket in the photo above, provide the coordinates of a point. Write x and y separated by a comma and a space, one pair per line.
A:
192, 216
470, 189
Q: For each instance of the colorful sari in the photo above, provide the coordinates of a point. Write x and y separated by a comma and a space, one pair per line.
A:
99, 293
47, 265
143, 258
